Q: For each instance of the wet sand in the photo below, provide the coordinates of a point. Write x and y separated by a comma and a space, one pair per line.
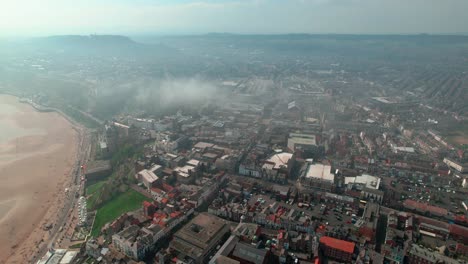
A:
35, 169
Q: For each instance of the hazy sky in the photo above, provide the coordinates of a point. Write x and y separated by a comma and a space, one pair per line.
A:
45, 17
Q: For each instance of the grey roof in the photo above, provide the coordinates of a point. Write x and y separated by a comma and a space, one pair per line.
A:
249, 253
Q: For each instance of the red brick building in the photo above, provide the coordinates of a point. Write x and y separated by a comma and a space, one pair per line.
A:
337, 249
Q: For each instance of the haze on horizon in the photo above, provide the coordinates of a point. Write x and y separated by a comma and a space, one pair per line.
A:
132, 17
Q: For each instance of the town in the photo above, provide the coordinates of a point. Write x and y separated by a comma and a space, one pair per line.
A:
279, 179
234, 132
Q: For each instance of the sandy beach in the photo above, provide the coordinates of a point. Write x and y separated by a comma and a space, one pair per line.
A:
37, 154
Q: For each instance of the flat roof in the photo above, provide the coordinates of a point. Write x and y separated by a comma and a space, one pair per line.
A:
225, 260
183, 171
321, 172
45, 258
280, 159
69, 256
201, 230
155, 167
120, 125
369, 181
431, 256
404, 149
193, 162
249, 253
302, 141
203, 145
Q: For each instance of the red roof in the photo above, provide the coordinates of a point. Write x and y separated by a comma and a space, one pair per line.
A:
461, 218
433, 222
175, 214
146, 204
338, 244
424, 207
459, 231
156, 190
280, 234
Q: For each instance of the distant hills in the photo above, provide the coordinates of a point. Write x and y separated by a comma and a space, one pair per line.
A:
97, 45
433, 67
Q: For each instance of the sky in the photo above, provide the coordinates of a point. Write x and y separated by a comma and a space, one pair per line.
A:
130, 17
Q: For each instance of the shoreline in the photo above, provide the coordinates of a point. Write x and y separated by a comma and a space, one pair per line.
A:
57, 160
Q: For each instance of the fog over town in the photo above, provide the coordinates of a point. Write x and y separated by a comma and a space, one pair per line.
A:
187, 132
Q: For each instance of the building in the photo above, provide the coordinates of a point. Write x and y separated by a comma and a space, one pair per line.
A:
278, 166
185, 174
58, 256
365, 180
141, 123
336, 249
420, 255
93, 249
247, 253
318, 176
457, 166
199, 238
371, 194
136, 242
397, 149
424, 208
243, 246
303, 142
148, 178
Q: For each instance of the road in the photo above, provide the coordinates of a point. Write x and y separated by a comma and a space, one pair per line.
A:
66, 213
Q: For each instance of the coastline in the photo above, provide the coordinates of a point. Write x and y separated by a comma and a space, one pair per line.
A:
33, 202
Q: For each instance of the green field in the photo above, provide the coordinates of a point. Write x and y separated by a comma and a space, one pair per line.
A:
91, 193
91, 189
124, 202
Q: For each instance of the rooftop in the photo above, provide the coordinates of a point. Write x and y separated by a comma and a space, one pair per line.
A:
320, 171
433, 257
249, 253
193, 162
149, 176
184, 171
203, 145
369, 181
338, 244
423, 207
225, 260
201, 230
280, 159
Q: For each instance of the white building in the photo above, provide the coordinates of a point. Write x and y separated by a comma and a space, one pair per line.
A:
278, 166
301, 141
318, 176
320, 172
148, 178
365, 180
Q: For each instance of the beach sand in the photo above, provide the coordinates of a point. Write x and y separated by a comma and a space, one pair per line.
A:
34, 172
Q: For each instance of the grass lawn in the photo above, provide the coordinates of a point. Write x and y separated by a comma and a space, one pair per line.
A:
125, 202
91, 193
76, 245
94, 187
